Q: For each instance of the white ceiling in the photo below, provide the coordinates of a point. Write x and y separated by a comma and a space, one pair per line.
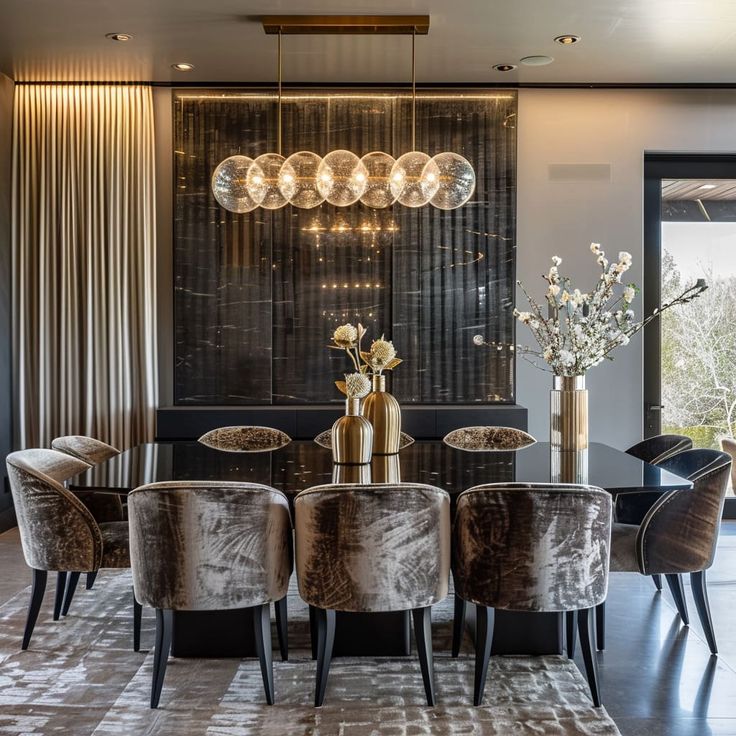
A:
623, 41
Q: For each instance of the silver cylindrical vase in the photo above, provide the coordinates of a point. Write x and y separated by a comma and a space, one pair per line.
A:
568, 417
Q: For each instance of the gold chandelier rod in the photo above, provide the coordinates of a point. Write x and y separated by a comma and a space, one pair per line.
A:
278, 134
413, 91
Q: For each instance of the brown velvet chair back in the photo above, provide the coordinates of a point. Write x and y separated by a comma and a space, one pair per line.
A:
372, 547
524, 547
485, 439
90, 450
680, 532
245, 439
729, 446
654, 450
57, 532
198, 546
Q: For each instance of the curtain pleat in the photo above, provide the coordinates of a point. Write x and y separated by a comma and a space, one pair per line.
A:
84, 268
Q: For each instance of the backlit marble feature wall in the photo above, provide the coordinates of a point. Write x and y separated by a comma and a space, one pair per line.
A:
258, 295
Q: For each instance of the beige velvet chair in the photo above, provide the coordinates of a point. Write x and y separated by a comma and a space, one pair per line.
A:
485, 439
372, 548
531, 547
245, 439
103, 506
201, 546
58, 532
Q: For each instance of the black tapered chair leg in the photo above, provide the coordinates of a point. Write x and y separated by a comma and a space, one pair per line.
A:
39, 588
164, 626
600, 626
700, 593
137, 612
678, 593
71, 586
423, 635
657, 579
313, 631
571, 621
458, 625
91, 576
282, 628
325, 621
483, 638
262, 631
59, 597
585, 632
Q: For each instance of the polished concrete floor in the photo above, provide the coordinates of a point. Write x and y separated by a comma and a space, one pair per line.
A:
658, 677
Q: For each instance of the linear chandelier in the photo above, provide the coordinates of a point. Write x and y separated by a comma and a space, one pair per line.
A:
377, 179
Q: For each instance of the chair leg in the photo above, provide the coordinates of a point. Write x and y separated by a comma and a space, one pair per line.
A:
483, 638
71, 586
282, 628
39, 588
313, 631
571, 621
657, 579
458, 625
423, 635
600, 626
91, 576
678, 593
262, 631
164, 625
700, 593
59, 597
585, 632
137, 611
325, 640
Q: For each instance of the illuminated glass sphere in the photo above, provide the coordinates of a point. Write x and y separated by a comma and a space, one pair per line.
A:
341, 178
378, 190
298, 180
415, 179
265, 184
457, 181
230, 184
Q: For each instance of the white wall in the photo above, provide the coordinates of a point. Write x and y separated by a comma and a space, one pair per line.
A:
562, 217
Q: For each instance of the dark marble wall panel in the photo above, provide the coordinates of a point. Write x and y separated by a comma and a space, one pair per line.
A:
258, 295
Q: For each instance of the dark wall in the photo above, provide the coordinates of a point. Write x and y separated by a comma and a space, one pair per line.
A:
7, 518
258, 295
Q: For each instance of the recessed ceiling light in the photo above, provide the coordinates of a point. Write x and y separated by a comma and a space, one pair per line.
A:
567, 40
707, 186
119, 36
504, 67
183, 66
537, 60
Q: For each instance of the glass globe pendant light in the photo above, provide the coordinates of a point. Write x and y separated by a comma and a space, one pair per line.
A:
342, 178
378, 191
456, 181
298, 180
230, 184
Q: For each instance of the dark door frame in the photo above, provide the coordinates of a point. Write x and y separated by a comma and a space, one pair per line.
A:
658, 166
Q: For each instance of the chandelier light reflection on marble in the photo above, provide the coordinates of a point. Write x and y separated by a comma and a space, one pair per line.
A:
342, 178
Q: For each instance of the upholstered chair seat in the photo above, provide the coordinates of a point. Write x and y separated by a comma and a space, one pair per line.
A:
371, 548
201, 546
679, 533
324, 439
57, 531
485, 439
527, 547
245, 439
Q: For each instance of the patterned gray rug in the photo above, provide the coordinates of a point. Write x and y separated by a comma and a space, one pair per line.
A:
81, 677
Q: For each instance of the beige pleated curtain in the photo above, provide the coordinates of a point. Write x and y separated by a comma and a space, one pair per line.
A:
84, 263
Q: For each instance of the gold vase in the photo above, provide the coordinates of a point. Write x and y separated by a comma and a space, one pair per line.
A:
352, 436
386, 469
568, 466
568, 419
383, 411
353, 474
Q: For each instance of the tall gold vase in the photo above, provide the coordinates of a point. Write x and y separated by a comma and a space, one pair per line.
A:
568, 418
352, 436
382, 410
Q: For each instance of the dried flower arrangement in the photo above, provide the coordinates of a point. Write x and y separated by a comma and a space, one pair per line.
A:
381, 356
580, 330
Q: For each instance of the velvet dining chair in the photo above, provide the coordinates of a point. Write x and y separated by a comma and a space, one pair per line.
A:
103, 506
372, 548
535, 548
205, 546
57, 531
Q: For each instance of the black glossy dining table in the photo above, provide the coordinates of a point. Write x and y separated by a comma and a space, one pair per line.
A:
302, 464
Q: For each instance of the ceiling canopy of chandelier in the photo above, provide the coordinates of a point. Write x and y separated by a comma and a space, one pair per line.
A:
377, 179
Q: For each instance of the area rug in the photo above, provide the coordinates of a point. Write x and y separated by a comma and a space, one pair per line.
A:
81, 677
